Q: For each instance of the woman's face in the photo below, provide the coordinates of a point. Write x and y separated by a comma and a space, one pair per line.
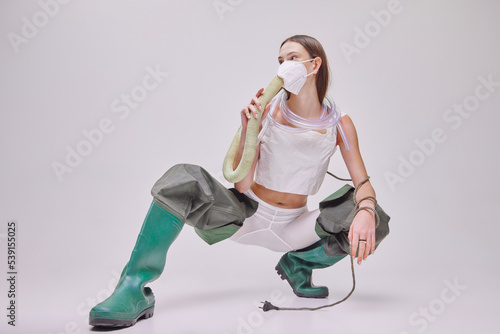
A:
295, 51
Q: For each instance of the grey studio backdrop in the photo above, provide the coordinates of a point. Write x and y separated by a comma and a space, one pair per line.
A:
99, 98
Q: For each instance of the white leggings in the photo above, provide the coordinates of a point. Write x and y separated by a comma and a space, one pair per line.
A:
278, 229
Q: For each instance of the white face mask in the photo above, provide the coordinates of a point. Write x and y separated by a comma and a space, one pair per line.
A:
294, 75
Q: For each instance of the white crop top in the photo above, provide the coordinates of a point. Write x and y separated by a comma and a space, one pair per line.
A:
293, 160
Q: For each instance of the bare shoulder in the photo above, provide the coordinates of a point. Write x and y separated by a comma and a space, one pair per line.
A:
346, 122
349, 129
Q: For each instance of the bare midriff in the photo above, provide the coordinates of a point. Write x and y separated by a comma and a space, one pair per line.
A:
279, 199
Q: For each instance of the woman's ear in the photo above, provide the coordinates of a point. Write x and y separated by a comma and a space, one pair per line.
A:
317, 64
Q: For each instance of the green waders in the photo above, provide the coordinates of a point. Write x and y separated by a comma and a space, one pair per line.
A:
131, 300
185, 194
332, 226
296, 267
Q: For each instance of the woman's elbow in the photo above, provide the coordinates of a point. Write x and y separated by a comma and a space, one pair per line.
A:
242, 186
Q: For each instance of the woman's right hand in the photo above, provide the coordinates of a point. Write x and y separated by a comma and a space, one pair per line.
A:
250, 110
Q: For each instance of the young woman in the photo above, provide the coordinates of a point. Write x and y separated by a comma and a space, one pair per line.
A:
268, 207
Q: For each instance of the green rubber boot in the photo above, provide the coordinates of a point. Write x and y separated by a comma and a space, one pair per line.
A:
296, 267
131, 300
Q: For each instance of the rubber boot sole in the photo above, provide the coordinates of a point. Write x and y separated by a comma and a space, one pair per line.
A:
284, 276
103, 322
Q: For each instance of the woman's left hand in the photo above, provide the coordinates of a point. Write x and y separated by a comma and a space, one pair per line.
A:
362, 235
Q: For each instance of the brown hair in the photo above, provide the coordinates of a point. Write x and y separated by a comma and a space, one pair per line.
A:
315, 49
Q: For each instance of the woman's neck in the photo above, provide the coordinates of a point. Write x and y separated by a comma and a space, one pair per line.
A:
306, 104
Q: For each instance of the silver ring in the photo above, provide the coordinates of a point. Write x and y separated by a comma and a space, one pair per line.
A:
362, 240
